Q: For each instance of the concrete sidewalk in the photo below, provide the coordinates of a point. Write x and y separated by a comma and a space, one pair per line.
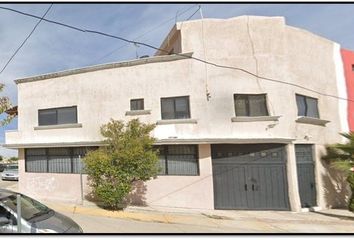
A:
326, 221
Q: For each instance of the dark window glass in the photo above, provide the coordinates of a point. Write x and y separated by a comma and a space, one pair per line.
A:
247, 105
47, 117
167, 108
178, 160
353, 67
67, 115
56, 160
301, 105
312, 110
175, 108
136, 104
307, 106
57, 116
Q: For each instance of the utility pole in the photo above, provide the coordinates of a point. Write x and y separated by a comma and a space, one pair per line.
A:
19, 214
81, 184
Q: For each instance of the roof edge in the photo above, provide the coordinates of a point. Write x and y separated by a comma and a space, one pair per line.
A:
135, 62
159, 142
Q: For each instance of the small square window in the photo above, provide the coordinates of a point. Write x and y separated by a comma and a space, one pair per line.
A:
263, 154
137, 104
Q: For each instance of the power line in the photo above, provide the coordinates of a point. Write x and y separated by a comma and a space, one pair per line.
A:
147, 32
179, 54
23, 43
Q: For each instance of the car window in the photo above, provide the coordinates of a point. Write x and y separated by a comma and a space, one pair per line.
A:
30, 208
11, 167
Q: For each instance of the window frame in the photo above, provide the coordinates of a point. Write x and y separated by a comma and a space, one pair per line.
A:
165, 154
248, 105
137, 99
306, 106
56, 115
174, 107
47, 159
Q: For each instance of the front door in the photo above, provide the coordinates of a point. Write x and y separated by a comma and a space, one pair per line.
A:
306, 175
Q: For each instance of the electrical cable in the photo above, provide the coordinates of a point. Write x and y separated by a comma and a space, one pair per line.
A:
179, 54
23, 43
145, 33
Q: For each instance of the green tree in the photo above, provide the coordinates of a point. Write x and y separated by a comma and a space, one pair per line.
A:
341, 157
5, 105
128, 156
13, 159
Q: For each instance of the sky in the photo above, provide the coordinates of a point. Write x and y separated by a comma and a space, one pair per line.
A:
54, 48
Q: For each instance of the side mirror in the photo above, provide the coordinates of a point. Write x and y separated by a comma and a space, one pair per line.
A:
4, 221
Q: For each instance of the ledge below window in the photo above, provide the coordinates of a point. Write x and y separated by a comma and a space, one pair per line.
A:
73, 125
309, 120
137, 112
255, 119
176, 121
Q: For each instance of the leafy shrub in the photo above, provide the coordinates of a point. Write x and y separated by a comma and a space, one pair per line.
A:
128, 156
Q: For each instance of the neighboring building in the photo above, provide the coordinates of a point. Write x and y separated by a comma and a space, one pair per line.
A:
228, 140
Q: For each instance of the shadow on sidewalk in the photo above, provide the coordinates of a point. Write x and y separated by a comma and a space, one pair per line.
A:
341, 217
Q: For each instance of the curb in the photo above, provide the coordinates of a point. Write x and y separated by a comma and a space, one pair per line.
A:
198, 220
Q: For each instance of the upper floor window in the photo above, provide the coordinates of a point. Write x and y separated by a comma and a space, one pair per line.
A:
175, 108
353, 67
307, 106
55, 116
250, 105
137, 104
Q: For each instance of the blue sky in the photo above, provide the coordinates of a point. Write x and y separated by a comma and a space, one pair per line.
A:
54, 48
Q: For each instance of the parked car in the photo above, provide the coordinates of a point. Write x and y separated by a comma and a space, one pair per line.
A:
2, 167
10, 172
35, 217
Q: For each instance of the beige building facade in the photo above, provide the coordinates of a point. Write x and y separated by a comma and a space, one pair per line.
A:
232, 140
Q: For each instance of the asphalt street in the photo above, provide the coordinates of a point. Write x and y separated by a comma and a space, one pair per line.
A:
95, 220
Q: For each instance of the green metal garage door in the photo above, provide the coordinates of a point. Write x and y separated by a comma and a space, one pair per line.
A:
250, 176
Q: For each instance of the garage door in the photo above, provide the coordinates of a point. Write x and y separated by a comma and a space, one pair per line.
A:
251, 176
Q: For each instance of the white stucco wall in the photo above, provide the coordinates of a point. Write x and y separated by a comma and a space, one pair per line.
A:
262, 45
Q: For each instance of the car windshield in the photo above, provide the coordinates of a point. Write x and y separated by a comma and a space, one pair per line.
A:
30, 208
11, 167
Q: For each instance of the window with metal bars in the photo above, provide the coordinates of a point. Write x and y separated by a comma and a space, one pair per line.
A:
178, 160
55, 160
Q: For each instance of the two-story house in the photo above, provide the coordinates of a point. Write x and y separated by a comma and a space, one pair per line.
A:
228, 139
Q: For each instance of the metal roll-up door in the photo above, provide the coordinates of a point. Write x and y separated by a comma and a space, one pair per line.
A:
250, 176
